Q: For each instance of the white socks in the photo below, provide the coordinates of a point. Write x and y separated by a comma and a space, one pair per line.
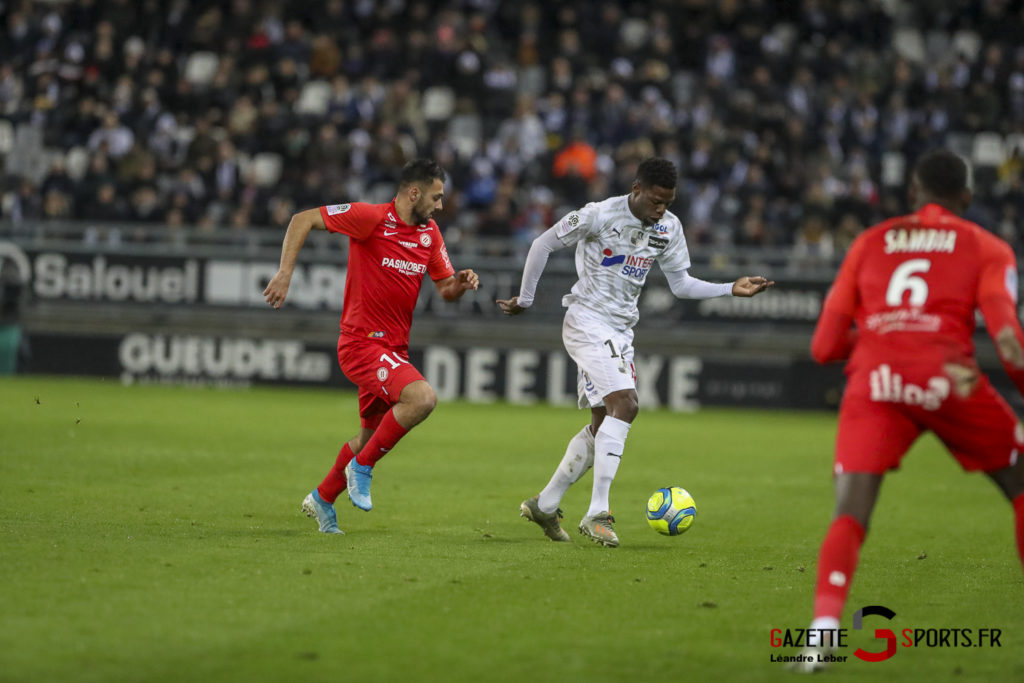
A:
603, 452
609, 443
822, 632
578, 458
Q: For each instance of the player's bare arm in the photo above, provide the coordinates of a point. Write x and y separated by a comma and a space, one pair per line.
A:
298, 228
749, 286
452, 288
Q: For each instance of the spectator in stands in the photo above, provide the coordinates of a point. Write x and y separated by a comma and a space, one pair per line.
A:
813, 247
799, 102
113, 136
574, 166
25, 203
106, 205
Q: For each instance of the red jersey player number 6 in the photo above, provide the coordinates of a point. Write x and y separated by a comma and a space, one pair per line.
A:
391, 247
902, 314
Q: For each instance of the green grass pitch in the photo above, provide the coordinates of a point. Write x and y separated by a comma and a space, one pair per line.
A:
154, 534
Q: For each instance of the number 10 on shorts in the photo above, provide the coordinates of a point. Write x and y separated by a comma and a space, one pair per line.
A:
392, 359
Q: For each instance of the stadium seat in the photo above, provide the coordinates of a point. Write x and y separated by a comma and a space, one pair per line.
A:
465, 134
245, 163
76, 161
988, 149
201, 67
894, 169
937, 46
314, 98
438, 103
266, 168
909, 44
1015, 141
6, 136
961, 143
967, 43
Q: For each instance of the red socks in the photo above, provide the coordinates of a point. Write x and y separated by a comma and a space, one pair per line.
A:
1018, 513
383, 440
334, 483
838, 560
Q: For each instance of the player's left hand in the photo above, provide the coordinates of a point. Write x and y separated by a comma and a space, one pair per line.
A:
467, 280
751, 285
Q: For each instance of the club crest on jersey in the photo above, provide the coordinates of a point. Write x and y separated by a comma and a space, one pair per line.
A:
382, 374
636, 237
611, 260
425, 239
335, 209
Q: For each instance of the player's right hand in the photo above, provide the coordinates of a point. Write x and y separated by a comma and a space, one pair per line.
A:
510, 306
277, 289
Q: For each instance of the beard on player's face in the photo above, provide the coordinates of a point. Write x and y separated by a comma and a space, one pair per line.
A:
422, 211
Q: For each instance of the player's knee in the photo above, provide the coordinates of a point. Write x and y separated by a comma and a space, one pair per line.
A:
624, 406
422, 399
859, 510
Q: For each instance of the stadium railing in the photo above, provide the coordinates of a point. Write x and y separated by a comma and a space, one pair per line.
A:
156, 304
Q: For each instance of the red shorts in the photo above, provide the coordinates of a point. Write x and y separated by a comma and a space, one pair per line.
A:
885, 409
380, 372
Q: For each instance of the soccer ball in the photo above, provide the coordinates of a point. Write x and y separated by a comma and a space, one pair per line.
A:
671, 511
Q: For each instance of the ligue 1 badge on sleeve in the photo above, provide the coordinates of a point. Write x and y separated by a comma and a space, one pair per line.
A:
335, 209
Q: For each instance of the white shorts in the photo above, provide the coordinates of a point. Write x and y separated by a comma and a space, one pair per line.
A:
603, 355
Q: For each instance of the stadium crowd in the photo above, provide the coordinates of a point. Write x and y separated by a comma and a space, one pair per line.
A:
792, 122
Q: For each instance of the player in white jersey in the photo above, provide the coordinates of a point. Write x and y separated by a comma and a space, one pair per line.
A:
617, 241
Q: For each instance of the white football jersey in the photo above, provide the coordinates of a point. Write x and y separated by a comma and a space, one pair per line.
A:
614, 253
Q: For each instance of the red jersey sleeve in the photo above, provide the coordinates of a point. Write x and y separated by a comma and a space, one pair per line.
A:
356, 220
440, 266
833, 337
997, 299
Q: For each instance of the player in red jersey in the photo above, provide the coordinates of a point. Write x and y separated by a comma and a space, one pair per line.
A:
391, 247
911, 286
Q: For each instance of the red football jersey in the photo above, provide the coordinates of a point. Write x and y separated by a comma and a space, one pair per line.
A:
386, 263
912, 285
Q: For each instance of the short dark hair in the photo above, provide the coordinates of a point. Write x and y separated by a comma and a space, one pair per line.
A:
657, 171
420, 172
941, 173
